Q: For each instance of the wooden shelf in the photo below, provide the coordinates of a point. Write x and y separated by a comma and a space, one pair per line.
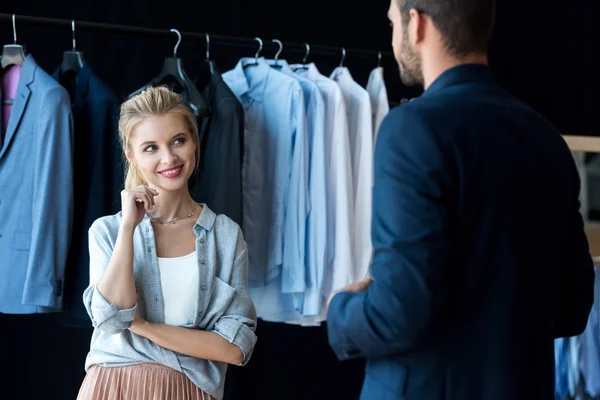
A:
588, 144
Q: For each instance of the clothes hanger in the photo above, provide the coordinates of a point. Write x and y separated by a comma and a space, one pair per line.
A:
206, 70
255, 63
275, 63
72, 60
304, 66
343, 57
173, 69
211, 64
13, 54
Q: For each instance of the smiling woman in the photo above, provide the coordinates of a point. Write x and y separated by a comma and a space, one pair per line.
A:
168, 294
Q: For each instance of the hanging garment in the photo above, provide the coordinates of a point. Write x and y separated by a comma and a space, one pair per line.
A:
36, 195
360, 128
380, 105
10, 81
339, 272
561, 367
268, 299
218, 181
589, 360
97, 177
574, 373
274, 173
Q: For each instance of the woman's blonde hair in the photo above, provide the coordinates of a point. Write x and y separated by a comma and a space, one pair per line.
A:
151, 102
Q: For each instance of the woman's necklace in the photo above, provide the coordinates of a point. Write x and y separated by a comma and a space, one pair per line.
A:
163, 222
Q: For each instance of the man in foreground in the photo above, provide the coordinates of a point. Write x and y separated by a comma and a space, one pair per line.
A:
480, 256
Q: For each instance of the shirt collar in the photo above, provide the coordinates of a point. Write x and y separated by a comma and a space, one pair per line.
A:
206, 219
251, 81
460, 74
309, 71
285, 67
342, 75
377, 73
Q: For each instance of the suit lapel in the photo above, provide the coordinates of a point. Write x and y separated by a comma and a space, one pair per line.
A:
20, 102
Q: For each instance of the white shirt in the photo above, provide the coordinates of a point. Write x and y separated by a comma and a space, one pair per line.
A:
380, 105
179, 283
360, 128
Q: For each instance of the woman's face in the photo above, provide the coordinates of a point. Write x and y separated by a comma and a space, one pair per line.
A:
163, 149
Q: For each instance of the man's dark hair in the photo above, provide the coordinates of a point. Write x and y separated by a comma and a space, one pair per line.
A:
465, 25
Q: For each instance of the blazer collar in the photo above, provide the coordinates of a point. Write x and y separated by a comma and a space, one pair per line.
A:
461, 74
81, 86
21, 99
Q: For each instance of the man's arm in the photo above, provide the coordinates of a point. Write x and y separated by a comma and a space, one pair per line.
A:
410, 238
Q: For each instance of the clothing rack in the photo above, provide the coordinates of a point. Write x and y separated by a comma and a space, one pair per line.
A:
235, 41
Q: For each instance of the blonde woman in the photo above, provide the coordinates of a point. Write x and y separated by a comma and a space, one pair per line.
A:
168, 292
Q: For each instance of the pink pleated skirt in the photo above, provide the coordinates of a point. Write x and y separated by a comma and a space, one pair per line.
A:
138, 382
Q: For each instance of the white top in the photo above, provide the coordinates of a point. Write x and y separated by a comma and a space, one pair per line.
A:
379, 100
179, 282
360, 129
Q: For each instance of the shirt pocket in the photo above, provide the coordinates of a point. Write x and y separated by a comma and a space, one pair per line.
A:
220, 299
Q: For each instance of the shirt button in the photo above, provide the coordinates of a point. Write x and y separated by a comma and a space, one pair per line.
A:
201, 240
149, 250
203, 287
201, 261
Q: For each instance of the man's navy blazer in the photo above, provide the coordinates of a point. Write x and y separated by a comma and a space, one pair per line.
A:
480, 256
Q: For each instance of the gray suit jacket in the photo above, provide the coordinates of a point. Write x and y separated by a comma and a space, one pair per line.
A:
36, 195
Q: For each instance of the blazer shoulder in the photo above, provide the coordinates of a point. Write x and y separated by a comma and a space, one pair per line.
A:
44, 84
407, 119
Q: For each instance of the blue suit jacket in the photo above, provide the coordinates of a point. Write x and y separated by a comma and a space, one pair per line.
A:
480, 257
36, 195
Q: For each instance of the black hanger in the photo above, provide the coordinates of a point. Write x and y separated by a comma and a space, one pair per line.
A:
207, 69
255, 63
276, 64
173, 69
72, 60
13, 54
304, 66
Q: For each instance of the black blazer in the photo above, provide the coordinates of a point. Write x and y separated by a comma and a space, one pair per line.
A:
98, 177
480, 256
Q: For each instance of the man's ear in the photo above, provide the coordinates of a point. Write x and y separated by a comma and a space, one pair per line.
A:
416, 27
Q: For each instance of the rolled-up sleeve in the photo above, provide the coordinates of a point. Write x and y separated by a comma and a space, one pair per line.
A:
104, 316
238, 323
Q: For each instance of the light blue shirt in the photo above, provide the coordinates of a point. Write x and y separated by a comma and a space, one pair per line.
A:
275, 174
589, 362
223, 304
309, 303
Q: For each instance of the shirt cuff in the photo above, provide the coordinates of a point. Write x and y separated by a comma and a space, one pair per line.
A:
239, 334
107, 317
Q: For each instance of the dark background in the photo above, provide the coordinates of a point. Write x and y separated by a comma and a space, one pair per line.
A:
542, 51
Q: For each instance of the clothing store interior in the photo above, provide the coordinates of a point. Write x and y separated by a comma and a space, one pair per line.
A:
103, 52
